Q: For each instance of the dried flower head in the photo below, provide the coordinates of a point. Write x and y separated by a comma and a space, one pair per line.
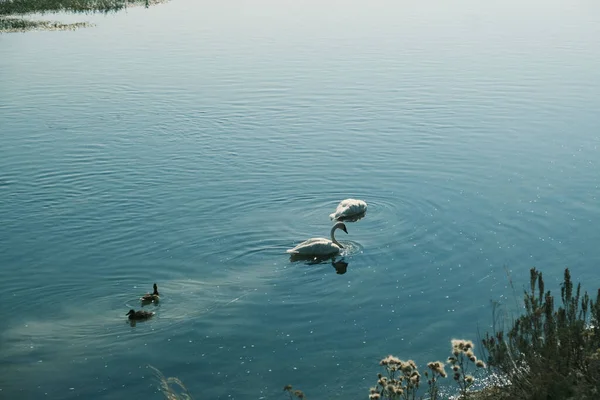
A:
299, 394
374, 396
455, 368
469, 379
405, 367
437, 366
373, 390
287, 388
480, 364
457, 344
415, 378
390, 360
470, 355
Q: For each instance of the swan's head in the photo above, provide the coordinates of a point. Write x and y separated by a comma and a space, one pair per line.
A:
132, 311
155, 288
342, 226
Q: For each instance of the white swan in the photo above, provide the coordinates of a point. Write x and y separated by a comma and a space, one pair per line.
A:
320, 246
349, 208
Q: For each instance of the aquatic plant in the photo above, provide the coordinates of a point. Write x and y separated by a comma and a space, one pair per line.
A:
11, 24
12, 11
21, 7
547, 352
172, 388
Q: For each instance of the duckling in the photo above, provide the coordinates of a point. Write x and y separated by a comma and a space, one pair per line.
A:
139, 315
149, 297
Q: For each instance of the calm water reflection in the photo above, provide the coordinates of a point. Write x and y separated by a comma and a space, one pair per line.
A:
191, 144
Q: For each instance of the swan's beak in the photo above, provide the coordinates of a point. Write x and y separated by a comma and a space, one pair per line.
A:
344, 229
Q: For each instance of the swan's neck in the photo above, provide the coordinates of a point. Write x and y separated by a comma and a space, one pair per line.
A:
333, 237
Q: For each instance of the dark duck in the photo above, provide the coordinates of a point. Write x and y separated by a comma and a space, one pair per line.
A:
151, 297
139, 315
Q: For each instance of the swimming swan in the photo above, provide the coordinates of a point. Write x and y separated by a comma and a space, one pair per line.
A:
320, 246
349, 208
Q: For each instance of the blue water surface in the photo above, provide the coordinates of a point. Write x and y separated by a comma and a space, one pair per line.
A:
191, 143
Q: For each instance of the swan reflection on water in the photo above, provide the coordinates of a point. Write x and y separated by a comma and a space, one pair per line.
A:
340, 265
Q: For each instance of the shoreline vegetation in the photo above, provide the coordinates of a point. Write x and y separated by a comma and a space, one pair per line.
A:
547, 353
14, 13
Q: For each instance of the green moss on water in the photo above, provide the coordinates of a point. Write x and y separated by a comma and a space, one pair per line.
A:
12, 12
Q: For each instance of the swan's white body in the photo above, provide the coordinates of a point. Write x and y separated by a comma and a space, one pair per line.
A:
349, 208
320, 246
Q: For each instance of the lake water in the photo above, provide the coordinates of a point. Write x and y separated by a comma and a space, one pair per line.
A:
192, 143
